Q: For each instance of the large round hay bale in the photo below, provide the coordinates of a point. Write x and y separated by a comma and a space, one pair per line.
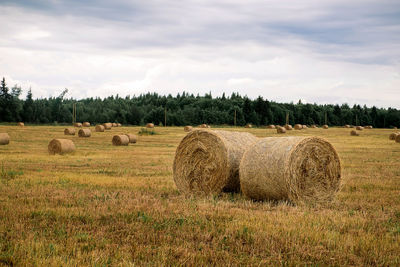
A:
21, 124
120, 140
78, 124
359, 128
280, 130
132, 138
107, 126
397, 138
271, 126
84, 133
61, 146
298, 169
4, 139
248, 125
86, 124
188, 128
99, 128
69, 131
203, 125
298, 126
150, 125
325, 126
207, 162
288, 127
354, 133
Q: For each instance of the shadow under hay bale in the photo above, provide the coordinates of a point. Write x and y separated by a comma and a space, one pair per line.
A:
84, 133
21, 124
132, 138
298, 169
69, 131
99, 128
207, 162
120, 140
61, 146
4, 139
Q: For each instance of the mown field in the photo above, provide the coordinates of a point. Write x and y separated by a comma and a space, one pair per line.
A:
118, 206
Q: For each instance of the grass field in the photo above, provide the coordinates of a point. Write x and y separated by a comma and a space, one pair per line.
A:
118, 206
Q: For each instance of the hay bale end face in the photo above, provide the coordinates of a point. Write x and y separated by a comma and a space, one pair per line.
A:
354, 133
99, 128
207, 162
132, 138
150, 125
188, 128
4, 139
107, 126
78, 124
84, 133
86, 124
21, 124
280, 130
359, 128
393, 136
298, 126
61, 146
120, 140
298, 169
69, 131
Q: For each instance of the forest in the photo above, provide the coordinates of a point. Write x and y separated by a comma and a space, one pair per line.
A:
185, 109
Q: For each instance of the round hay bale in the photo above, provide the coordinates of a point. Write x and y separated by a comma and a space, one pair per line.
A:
4, 139
288, 127
119, 125
188, 128
314, 126
305, 127
86, 124
203, 125
99, 128
208, 126
280, 130
78, 124
397, 138
132, 138
150, 125
69, 131
354, 133
298, 169
114, 124
84, 133
393, 136
368, 127
107, 126
248, 125
325, 126
120, 140
359, 128
207, 162
21, 124
271, 126
347, 126
61, 146
298, 126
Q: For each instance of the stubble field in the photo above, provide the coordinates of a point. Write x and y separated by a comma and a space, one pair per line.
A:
105, 205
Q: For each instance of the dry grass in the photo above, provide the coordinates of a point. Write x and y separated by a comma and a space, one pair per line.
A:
106, 205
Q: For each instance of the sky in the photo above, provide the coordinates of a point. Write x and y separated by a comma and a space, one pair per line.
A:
327, 51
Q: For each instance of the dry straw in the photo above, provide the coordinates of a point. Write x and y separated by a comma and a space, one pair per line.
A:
325, 126
298, 126
78, 124
69, 131
21, 124
84, 133
280, 130
150, 125
298, 169
132, 138
188, 128
107, 126
120, 140
4, 139
86, 124
271, 126
61, 146
359, 128
99, 128
393, 136
354, 133
207, 162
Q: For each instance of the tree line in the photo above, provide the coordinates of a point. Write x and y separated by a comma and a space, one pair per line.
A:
185, 109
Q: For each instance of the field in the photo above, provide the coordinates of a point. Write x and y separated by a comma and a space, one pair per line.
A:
105, 205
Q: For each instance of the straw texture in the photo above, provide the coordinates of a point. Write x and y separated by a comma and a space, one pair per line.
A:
61, 146
84, 133
4, 139
120, 140
69, 131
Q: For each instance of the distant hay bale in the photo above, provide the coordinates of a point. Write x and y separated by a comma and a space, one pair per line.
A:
354, 133
393, 136
150, 125
208, 126
248, 125
114, 124
368, 127
120, 140
325, 126
207, 162
203, 125
21, 124
347, 126
305, 127
4, 139
61, 146
84, 133
78, 124
119, 125
132, 138
298, 126
314, 126
86, 124
99, 128
280, 130
288, 127
69, 131
271, 126
107, 126
298, 169
359, 128
188, 128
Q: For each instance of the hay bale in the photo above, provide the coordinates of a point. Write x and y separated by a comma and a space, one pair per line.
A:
368, 127
107, 126
359, 128
305, 127
132, 138
208, 126
325, 126
21, 124
150, 125
99, 128
203, 125
114, 124
84, 133
188, 128
271, 126
207, 162
354, 133
288, 127
61, 146
347, 126
298, 126
78, 124
280, 130
120, 140
86, 124
119, 125
298, 169
393, 136
314, 126
248, 125
397, 138
4, 139
69, 131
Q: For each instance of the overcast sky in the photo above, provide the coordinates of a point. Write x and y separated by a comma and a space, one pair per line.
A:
318, 51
